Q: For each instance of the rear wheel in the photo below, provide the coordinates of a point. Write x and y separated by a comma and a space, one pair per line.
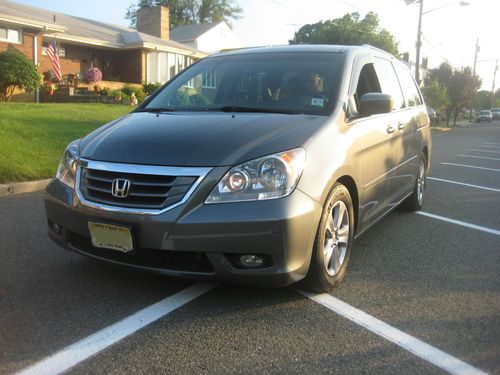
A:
416, 200
332, 248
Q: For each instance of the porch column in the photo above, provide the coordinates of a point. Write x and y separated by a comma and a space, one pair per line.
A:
35, 61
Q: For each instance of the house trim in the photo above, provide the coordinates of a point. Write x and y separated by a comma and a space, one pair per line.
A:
30, 23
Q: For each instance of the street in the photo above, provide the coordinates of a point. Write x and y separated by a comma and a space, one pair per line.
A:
433, 276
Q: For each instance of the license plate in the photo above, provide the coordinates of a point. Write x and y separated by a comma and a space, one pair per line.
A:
111, 237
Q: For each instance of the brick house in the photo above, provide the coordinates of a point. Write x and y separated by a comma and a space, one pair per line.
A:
122, 54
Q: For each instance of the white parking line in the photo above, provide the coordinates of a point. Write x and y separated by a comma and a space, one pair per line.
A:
463, 184
490, 151
458, 222
86, 348
488, 146
490, 143
472, 166
419, 348
479, 157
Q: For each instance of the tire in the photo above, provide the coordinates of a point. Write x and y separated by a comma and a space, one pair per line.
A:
416, 200
333, 241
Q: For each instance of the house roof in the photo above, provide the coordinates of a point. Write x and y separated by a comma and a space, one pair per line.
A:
86, 31
187, 33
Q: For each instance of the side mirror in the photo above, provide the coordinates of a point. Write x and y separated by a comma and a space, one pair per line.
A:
374, 103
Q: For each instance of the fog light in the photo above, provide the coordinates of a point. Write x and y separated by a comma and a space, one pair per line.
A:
251, 261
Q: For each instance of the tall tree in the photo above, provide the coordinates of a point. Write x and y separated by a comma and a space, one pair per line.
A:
348, 30
186, 12
461, 86
462, 89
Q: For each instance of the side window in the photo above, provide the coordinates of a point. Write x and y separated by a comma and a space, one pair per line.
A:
368, 82
389, 82
410, 89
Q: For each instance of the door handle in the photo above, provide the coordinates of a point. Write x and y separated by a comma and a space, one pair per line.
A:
401, 126
390, 129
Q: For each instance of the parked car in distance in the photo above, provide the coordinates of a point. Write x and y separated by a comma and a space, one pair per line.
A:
484, 115
495, 113
258, 166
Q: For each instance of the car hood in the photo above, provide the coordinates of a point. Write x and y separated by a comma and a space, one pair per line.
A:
197, 139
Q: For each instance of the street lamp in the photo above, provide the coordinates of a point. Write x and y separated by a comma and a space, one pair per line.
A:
419, 31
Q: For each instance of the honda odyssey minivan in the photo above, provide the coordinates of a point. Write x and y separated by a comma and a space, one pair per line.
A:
258, 166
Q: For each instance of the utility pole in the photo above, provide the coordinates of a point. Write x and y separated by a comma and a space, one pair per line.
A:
473, 75
419, 43
493, 86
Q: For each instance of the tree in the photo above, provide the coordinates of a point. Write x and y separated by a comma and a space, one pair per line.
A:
462, 89
436, 96
348, 30
460, 85
16, 71
186, 12
482, 100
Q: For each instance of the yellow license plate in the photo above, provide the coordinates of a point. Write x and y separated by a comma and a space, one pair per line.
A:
111, 237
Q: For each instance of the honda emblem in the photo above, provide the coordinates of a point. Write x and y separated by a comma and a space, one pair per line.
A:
120, 188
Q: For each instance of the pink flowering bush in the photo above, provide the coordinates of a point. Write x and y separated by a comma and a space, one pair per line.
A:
92, 75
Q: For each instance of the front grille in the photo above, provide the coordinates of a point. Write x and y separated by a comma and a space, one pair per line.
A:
147, 191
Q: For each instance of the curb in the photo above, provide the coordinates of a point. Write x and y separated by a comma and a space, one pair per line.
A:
439, 129
23, 187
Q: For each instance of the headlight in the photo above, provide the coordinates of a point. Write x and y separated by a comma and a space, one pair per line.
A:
269, 177
66, 173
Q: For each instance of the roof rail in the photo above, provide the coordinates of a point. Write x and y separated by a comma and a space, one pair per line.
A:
377, 49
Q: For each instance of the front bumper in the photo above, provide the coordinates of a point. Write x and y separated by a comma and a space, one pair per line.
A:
197, 240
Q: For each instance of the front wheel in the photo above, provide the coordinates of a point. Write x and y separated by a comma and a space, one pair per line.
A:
416, 200
332, 248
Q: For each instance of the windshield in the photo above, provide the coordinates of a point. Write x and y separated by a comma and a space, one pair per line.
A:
485, 113
268, 82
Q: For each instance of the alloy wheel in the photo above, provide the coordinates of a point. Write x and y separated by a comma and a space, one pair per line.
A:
421, 182
336, 238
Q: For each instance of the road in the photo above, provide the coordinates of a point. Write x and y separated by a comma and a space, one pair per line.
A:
433, 280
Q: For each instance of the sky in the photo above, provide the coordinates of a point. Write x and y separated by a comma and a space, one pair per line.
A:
449, 32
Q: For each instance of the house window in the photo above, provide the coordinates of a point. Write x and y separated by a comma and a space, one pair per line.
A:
61, 49
162, 66
210, 80
10, 35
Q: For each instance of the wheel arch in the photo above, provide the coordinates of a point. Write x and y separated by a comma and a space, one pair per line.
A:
351, 186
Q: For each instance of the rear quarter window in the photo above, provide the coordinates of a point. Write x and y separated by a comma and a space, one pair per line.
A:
389, 82
411, 92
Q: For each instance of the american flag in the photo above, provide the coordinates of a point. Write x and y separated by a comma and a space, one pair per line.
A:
53, 54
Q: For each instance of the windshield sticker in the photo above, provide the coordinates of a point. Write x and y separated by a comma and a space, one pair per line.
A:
318, 102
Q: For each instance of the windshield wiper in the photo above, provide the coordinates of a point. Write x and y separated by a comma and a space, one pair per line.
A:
234, 108
155, 110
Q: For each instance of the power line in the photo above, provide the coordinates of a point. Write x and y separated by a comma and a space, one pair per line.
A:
434, 48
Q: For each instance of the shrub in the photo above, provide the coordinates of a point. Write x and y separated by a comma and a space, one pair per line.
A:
150, 88
93, 75
119, 95
104, 91
16, 71
139, 92
128, 90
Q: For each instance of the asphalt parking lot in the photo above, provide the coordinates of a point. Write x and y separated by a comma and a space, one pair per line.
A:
431, 281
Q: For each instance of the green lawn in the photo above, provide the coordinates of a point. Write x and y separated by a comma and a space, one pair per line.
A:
33, 136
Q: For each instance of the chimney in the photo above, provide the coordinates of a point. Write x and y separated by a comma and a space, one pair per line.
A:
154, 21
